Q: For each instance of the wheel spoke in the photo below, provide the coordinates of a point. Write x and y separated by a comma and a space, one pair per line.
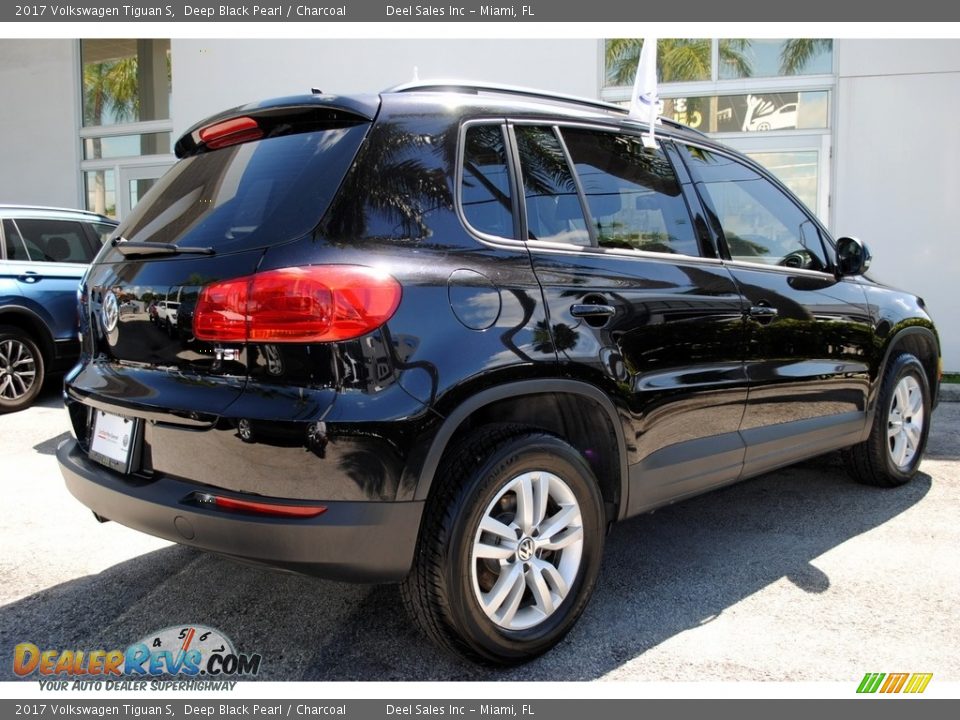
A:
562, 539
525, 504
495, 552
508, 610
495, 599
558, 521
899, 449
495, 527
915, 403
913, 435
541, 592
553, 577
4, 384
541, 497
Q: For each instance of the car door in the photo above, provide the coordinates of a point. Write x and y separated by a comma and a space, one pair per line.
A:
46, 257
637, 304
808, 332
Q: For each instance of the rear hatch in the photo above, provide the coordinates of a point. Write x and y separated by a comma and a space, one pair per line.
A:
248, 180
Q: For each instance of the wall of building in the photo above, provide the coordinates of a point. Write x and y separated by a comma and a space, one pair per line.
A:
211, 75
38, 123
897, 168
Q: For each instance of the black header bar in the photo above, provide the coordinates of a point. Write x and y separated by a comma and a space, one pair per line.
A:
505, 11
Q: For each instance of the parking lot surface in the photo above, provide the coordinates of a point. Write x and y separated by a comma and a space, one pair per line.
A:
797, 575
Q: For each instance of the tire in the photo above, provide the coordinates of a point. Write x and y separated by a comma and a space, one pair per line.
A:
21, 369
536, 588
892, 454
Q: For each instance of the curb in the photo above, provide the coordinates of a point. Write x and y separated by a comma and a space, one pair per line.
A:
950, 392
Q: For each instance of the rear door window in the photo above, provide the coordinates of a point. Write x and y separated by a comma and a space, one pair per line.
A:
632, 193
554, 212
50, 240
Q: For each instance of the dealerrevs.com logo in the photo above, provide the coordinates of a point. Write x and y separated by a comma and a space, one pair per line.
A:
199, 657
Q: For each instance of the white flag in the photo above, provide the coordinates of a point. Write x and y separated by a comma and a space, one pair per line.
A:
645, 103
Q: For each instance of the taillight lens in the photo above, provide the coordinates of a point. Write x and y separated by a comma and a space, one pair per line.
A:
230, 132
320, 303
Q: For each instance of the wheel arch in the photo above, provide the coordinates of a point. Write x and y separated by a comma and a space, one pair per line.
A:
28, 321
923, 343
583, 415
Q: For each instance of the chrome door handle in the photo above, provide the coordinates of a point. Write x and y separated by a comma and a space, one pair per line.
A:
29, 277
762, 311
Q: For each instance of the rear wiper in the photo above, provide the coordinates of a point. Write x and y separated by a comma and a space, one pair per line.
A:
148, 248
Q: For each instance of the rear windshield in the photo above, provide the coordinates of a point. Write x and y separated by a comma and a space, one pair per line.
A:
250, 195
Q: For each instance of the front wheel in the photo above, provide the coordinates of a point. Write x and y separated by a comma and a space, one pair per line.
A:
510, 548
892, 453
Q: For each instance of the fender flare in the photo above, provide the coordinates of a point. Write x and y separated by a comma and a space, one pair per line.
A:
511, 391
42, 333
928, 333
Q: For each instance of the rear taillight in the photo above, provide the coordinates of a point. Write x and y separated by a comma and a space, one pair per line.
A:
320, 303
230, 132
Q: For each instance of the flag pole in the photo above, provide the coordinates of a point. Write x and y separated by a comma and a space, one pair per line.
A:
645, 103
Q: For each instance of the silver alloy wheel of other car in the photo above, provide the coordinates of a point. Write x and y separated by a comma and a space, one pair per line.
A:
905, 421
18, 369
527, 550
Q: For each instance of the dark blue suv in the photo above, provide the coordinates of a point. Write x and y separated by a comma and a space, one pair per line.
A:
43, 254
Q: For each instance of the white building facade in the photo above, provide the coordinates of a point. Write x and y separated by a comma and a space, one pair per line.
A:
864, 131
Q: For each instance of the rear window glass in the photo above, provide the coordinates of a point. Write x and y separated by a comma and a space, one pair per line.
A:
485, 188
249, 195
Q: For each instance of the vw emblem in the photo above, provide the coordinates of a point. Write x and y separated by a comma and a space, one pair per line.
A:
110, 312
525, 549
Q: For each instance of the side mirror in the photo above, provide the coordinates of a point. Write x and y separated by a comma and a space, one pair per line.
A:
853, 258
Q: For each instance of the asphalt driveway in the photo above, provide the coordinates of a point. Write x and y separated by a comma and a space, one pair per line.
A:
798, 575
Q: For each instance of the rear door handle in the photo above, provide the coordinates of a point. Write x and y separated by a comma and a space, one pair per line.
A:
590, 310
762, 311
29, 277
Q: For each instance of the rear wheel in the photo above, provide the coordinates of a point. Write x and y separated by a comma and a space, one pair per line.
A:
892, 453
510, 548
21, 369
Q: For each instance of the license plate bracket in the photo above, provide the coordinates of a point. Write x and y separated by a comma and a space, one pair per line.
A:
115, 441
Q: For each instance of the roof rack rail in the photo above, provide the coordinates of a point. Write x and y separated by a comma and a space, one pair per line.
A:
477, 87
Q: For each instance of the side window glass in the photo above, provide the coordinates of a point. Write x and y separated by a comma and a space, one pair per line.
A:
103, 232
485, 188
760, 223
54, 241
13, 244
554, 212
632, 193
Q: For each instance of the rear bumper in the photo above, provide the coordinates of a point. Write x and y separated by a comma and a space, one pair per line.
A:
355, 541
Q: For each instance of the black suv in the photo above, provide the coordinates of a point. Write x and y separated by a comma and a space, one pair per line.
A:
448, 334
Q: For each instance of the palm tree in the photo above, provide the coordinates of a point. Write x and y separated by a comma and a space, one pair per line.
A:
678, 59
797, 52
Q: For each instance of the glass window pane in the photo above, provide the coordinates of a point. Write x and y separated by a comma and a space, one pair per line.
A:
137, 189
101, 192
744, 58
678, 60
762, 112
759, 222
13, 243
54, 241
103, 231
553, 206
125, 80
485, 188
126, 146
797, 169
632, 193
